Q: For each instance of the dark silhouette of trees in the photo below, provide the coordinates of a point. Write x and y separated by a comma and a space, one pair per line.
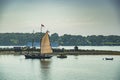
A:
64, 40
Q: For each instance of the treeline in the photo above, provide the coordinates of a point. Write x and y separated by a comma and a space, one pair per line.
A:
7, 39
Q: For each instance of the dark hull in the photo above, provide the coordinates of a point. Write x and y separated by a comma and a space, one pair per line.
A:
37, 57
108, 58
62, 56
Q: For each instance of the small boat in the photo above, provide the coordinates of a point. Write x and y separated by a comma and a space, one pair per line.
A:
61, 56
45, 50
108, 58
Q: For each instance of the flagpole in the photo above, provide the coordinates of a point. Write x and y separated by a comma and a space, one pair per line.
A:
41, 29
42, 36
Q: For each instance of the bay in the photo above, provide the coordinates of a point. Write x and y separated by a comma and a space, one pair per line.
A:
82, 67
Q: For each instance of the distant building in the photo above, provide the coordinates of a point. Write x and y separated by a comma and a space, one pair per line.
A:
17, 49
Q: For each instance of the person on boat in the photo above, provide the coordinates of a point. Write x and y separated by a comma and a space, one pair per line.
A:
76, 48
63, 49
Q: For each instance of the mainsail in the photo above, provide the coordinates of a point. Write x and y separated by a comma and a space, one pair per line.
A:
45, 44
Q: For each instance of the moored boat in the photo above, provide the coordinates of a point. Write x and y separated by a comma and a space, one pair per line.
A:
108, 58
62, 56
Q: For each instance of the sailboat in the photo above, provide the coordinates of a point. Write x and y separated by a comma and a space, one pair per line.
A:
45, 50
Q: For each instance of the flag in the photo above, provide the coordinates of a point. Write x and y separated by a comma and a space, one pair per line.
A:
42, 25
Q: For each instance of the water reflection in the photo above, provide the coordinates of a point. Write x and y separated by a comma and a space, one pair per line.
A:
72, 68
76, 56
45, 66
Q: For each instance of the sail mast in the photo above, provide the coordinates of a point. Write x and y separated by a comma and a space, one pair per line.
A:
42, 27
32, 40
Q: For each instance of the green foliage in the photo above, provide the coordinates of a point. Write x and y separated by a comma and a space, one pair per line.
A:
65, 40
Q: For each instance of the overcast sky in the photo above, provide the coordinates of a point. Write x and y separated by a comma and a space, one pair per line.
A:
77, 17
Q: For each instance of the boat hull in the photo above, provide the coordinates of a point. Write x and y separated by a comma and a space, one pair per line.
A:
61, 56
37, 57
108, 58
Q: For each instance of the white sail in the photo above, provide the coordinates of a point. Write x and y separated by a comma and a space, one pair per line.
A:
45, 44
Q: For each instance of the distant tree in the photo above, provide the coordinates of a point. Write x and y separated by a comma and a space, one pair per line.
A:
65, 40
54, 38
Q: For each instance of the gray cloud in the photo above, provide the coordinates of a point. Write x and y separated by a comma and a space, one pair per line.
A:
74, 16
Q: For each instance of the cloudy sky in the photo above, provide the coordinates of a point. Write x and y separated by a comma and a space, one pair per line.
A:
78, 17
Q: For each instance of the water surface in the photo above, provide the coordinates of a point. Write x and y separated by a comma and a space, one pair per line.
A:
108, 48
72, 68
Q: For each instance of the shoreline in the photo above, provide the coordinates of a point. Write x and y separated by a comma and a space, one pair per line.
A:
66, 52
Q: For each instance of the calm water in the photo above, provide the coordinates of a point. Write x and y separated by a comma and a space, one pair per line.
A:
111, 48
73, 68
